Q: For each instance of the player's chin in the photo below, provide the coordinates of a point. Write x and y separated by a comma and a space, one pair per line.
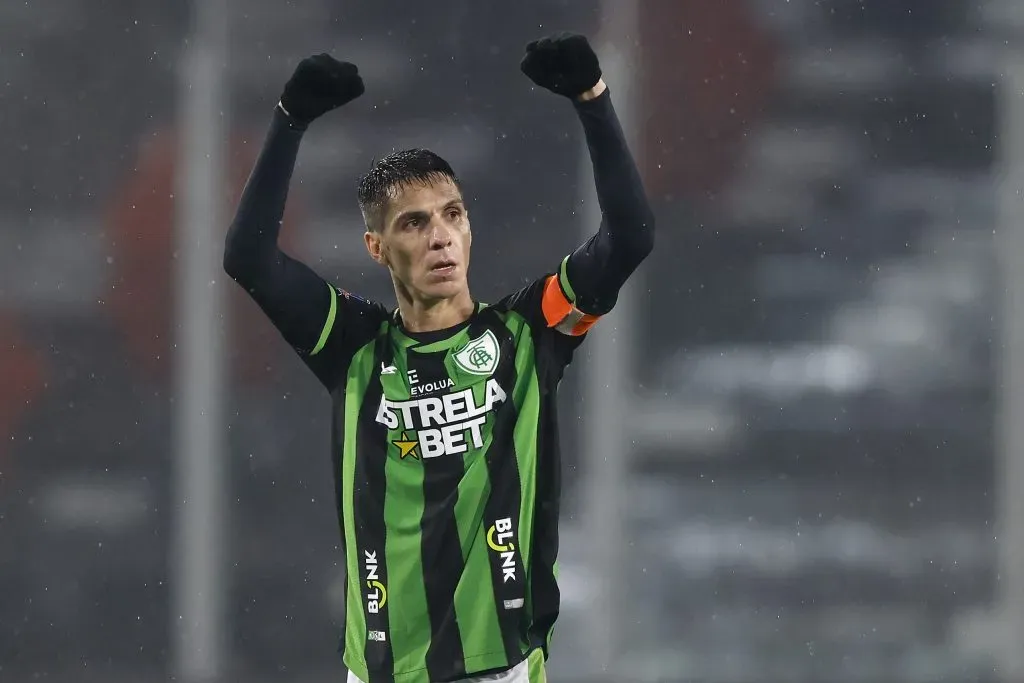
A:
443, 286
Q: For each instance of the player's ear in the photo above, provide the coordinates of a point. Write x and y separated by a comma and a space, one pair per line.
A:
375, 247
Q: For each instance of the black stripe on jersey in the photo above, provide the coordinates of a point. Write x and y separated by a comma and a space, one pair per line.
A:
544, 593
505, 501
440, 545
370, 485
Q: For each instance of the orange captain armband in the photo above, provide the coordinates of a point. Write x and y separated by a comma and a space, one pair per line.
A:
558, 305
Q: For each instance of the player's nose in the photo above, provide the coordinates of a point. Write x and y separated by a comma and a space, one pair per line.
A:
440, 235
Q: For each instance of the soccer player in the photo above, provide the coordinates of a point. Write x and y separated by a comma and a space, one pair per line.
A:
445, 450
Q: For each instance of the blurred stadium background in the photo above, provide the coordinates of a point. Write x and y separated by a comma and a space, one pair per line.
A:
792, 452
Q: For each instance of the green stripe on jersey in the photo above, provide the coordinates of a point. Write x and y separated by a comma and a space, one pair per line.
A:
528, 411
403, 509
403, 513
359, 374
329, 324
474, 597
525, 440
535, 672
474, 604
563, 279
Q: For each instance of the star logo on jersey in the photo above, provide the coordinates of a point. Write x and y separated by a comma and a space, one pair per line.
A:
407, 447
480, 356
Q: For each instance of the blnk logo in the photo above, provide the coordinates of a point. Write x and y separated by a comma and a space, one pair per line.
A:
480, 356
499, 539
376, 593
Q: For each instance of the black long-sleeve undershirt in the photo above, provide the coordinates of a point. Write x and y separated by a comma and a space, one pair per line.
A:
601, 265
294, 297
297, 300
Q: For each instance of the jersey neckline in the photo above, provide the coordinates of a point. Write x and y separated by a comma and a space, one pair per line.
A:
435, 335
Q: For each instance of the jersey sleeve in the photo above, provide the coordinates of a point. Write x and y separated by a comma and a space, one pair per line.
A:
323, 324
548, 306
350, 323
562, 306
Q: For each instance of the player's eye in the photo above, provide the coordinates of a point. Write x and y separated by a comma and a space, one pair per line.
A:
453, 214
413, 223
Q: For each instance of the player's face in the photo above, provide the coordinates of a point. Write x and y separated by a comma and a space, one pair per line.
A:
425, 240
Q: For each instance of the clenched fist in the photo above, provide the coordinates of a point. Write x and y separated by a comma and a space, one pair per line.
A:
319, 84
564, 63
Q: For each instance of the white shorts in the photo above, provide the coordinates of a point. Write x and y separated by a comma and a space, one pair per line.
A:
530, 670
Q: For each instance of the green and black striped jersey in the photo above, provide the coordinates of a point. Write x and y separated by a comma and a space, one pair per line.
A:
447, 465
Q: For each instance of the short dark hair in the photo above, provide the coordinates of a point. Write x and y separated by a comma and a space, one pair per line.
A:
390, 174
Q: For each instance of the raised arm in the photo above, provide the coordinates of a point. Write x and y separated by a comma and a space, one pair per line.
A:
302, 306
590, 278
600, 266
295, 298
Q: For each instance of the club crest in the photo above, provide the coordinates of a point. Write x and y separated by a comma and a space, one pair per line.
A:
480, 356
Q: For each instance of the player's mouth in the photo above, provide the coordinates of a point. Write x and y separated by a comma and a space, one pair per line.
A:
443, 268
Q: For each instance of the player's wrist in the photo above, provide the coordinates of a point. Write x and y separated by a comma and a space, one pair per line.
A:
593, 93
281, 113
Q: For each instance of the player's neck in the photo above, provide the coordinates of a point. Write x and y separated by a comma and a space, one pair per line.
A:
423, 316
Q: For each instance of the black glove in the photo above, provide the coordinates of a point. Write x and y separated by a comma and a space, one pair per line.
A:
564, 63
318, 85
